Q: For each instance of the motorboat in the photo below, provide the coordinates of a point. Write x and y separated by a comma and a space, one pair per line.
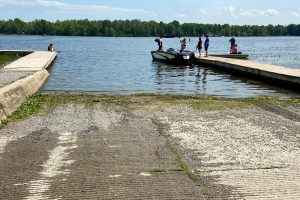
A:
173, 56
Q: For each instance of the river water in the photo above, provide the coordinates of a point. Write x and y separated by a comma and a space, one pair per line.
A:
125, 66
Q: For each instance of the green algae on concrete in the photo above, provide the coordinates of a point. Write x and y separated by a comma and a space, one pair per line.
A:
44, 102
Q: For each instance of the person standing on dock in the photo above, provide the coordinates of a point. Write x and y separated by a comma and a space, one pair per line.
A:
199, 46
206, 45
232, 43
51, 48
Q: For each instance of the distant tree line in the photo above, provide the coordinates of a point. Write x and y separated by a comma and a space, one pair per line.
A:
137, 28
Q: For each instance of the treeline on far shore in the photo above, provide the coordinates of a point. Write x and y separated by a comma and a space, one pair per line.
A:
138, 28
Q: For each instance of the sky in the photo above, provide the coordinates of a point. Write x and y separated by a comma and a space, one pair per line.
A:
234, 12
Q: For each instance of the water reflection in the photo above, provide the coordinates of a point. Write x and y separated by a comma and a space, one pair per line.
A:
201, 76
203, 80
187, 78
171, 77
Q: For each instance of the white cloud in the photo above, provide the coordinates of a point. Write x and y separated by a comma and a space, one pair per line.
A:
296, 13
43, 3
69, 7
250, 13
271, 12
247, 13
178, 15
203, 12
231, 10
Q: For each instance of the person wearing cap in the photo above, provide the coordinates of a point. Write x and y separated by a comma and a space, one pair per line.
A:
206, 45
232, 43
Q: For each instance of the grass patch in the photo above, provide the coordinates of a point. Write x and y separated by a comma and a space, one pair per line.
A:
282, 101
214, 104
30, 107
211, 103
6, 58
184, 167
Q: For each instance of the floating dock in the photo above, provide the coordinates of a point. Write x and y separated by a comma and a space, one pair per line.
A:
36, 61
283, 76
22, 78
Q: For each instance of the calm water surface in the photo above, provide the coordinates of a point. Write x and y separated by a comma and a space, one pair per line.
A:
125, 66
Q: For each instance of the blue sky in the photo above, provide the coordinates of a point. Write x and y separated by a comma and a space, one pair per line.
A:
211, 11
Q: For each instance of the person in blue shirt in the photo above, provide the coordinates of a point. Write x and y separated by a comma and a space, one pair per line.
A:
206, 45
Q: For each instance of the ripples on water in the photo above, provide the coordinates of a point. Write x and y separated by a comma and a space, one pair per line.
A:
125, 66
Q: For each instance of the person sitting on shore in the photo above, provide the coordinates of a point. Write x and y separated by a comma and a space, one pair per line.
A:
51, 48
234, 49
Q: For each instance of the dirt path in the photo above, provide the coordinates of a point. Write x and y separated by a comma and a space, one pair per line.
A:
122, 152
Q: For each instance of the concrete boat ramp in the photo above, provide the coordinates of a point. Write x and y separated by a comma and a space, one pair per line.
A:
273, 74
22, 78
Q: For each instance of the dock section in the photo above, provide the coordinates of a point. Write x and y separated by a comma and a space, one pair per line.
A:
35, 61
23, 78
265, 72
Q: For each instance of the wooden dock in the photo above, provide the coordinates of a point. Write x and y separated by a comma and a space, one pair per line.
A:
36, 61
265, 72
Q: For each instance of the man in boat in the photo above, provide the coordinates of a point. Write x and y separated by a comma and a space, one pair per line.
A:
159, 42
51, 48
232, 43
183, 44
